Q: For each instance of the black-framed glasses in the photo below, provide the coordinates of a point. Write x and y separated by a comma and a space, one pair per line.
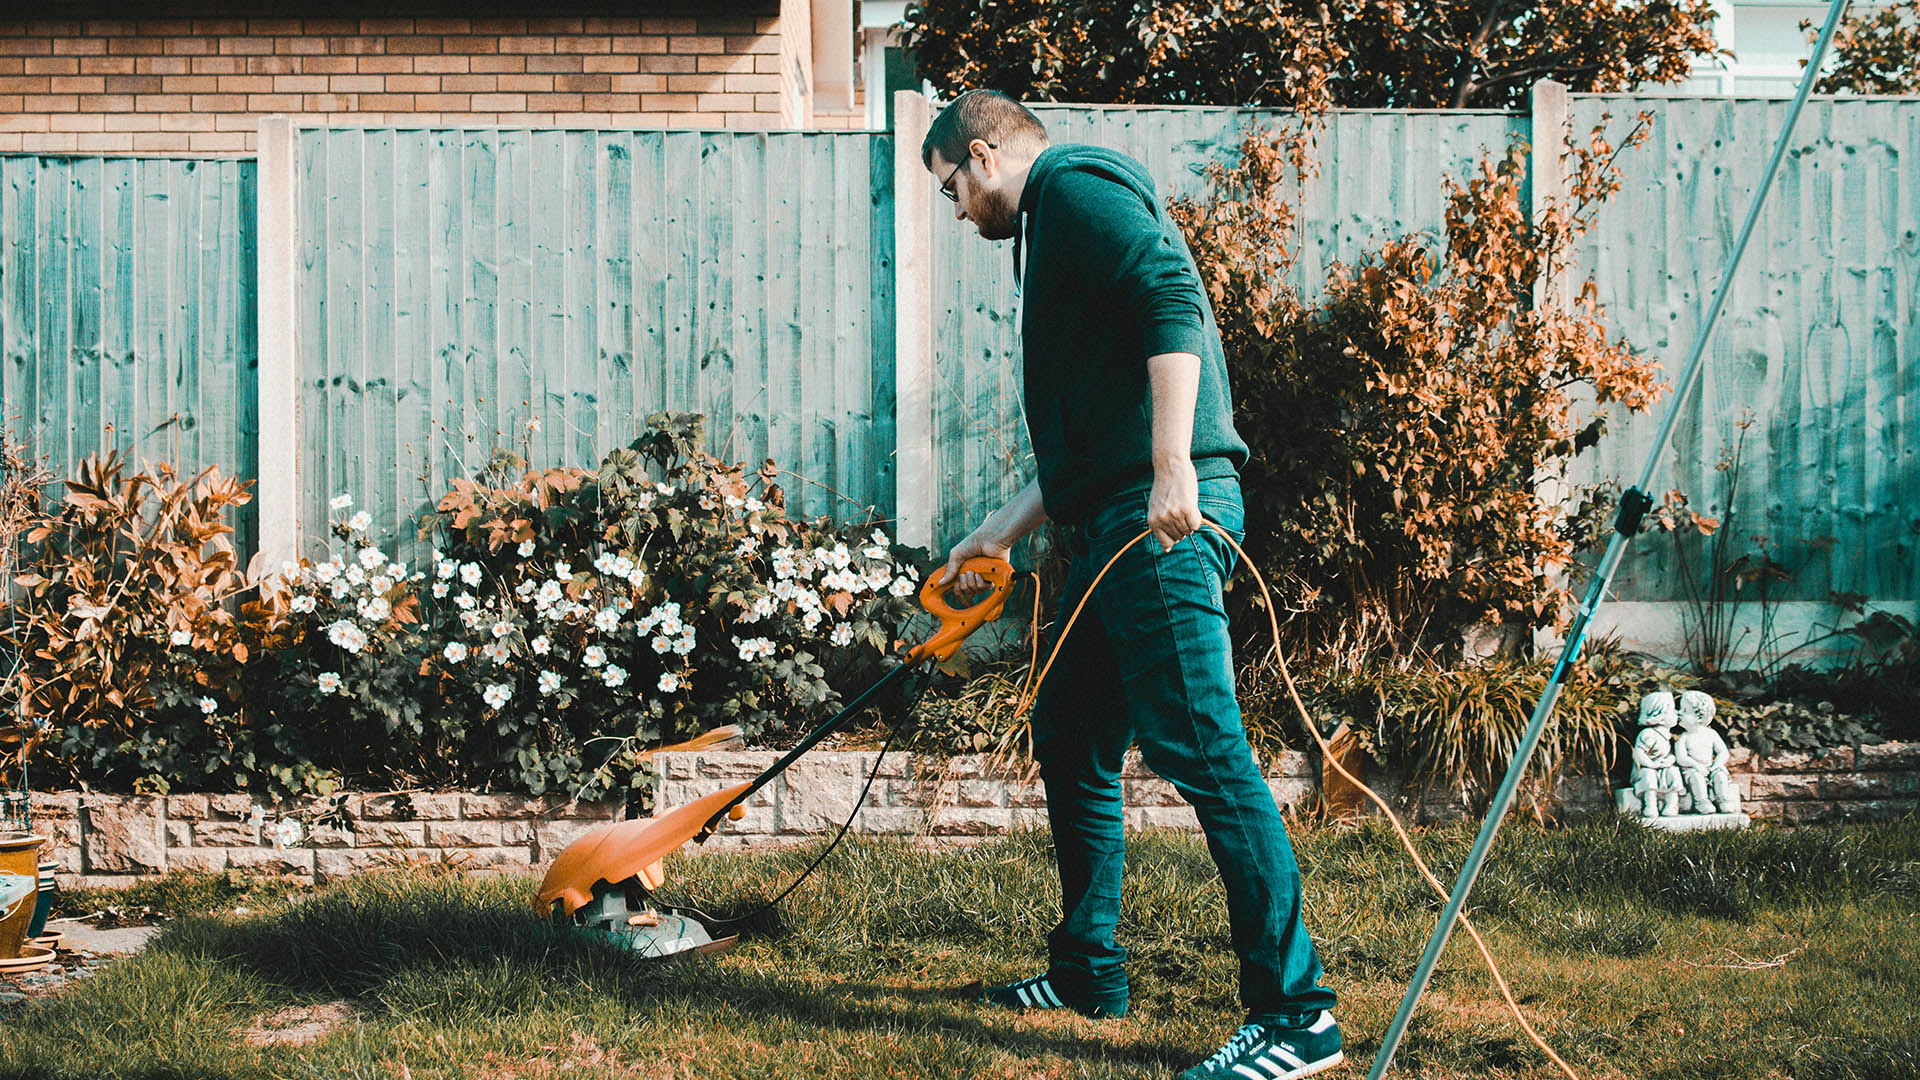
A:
952, 195
946, 185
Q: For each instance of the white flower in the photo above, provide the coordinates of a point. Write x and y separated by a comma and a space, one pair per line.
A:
525, 549
371, 557
381, 583
496, 651
339, 590
747, 547
454, 652
303, 604
290, 571
874, 551
549, 594
470, 573
533, 424
326, 572
810, 620
902, 586
502, 629
784, 563
753, 647
734, 502
397, 570
754, 506
842, 635
496, 695
662, 644
839, 556
207, 705
445, 568
464, 601
684, 643
607, 620
706, 502
340, 501
563, 571
347, 636
360, 521
603, 563
549, 682
879, 537
524, 589
470, 619
669, 682
355, 575
181, 637
614, 675
540, 645
375, 608
329, 682
285, 833
637, 577
439, 590
878, 578
664, 489
594, 656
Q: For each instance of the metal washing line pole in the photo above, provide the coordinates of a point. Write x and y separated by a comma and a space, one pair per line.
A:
1633, 505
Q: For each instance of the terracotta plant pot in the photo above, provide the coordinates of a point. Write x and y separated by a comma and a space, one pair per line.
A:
19, 855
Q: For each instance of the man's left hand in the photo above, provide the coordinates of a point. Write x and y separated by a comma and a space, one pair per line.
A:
1173, 508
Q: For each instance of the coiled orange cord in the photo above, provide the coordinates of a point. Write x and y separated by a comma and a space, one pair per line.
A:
1033, 688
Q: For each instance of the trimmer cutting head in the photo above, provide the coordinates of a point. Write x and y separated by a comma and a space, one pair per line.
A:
614, 853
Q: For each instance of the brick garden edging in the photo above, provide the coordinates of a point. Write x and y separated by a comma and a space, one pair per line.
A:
110, 839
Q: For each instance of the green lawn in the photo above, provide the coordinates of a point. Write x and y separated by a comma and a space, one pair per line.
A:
1773, 953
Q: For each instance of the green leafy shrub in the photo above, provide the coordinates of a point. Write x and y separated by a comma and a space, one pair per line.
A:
133, 626
565, 620
569, 619
1405, 427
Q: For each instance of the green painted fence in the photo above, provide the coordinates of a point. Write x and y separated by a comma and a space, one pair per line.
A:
547, 289
1817, 352
126, 311
544, 291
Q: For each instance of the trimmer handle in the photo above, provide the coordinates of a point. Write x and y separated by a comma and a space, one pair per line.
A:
957, 623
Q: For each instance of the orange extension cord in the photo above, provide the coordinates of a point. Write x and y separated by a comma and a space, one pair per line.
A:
1032, 690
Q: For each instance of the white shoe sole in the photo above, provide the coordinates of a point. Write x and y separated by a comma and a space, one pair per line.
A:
1312, 1067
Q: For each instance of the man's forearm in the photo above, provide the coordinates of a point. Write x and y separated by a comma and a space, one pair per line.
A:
1020, 515
1175, 381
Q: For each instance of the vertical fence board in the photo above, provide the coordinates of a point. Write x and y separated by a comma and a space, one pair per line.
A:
126, 312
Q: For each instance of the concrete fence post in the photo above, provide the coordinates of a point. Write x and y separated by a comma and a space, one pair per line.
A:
278, 378
915, 475
1552, 124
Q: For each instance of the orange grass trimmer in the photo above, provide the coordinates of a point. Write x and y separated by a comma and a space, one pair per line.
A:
604, 881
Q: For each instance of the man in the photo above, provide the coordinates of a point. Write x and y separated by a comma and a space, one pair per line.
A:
1128, 410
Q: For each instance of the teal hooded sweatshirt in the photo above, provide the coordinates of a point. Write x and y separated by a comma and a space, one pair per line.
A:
1107, 281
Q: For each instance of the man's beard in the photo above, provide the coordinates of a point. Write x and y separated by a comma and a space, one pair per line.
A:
999, 215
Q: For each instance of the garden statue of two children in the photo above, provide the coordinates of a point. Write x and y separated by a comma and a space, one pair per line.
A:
1683, 774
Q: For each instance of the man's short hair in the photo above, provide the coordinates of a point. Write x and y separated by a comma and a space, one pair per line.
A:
982, 114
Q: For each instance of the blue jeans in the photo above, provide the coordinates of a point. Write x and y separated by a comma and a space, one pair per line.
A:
1150, 663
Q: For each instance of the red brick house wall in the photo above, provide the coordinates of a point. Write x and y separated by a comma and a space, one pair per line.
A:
193, 84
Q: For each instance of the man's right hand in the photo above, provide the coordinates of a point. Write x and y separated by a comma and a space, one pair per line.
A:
982, 541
